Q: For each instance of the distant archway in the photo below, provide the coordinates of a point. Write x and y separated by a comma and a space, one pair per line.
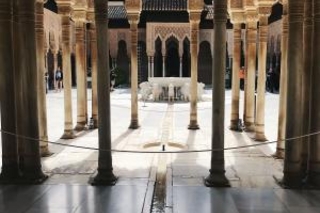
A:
205, 63
186, 59
158, 58
172, 59
122, 63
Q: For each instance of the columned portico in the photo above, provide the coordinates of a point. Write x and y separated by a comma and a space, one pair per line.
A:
104, 174
42, 103
217, 168
79, 14
195, 8
283, 84
293, 173
65, 9
133, 14
251, 30
264, 11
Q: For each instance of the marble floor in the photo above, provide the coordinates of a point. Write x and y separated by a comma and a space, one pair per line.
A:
250, 171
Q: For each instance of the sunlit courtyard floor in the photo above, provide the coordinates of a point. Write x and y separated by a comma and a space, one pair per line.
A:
251, 171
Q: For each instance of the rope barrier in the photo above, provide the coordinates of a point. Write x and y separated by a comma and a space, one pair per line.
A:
159, 152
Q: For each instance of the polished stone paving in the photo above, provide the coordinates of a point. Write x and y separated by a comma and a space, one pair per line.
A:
250, 171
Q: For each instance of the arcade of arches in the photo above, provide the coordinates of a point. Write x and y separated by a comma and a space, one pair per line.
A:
193, 39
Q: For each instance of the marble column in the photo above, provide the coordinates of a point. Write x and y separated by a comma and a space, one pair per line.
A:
250, 70
283, 85
81, 75
55, 67
105, 174
10, 161
217, 176
42, 102
31, 164
149, 66
234, 124
94, 87
262, 66
65, 11
306, 78
194, 48
133, 21
314, 175
293, 174
180, 67
152, 66
163, 66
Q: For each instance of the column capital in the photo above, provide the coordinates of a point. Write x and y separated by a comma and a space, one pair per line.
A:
133, 6
133, 18
195, 17
195, 6
79, 15
90, 15
251, 16
64, 7
237, 17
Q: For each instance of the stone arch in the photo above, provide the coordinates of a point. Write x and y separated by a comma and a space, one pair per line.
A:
123, 63
205, 63
158, 58
172, 56
186, 58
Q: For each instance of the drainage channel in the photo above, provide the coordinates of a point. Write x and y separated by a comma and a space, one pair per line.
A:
159, 202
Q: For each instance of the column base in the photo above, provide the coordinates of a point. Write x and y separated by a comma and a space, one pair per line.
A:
44, 151
292, 180
104, 178
279, 154
249, 127
236, 125
314, 180
134, 124
217, 180
68, 134
193, 125
33, 177
80, 126
259, 136
9, 174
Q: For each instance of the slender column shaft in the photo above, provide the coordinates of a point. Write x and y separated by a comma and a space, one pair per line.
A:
152, 66
149, 66
164, 66
292, 163
315, 104
260, 113
42, 103
194, 22
217, 168
134, 71
55, 67
66, 68
180, 67
105, 171
81, 73
94, 74
235, 76
283, 84
31, 157
250, 75
10, 167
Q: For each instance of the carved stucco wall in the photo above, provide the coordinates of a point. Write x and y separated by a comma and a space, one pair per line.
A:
275, 33
52, 29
